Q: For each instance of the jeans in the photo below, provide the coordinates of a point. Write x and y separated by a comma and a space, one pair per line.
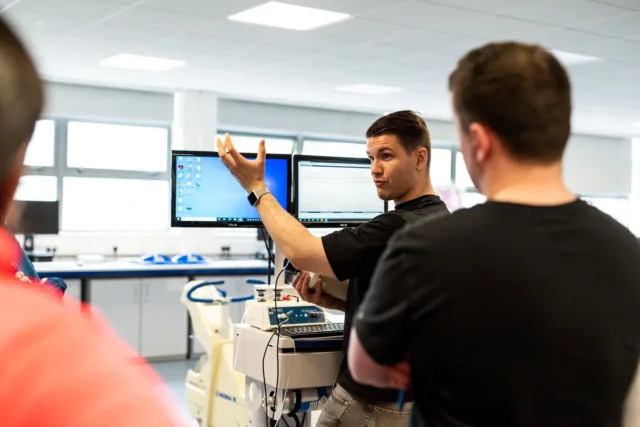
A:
344, 410
25, 266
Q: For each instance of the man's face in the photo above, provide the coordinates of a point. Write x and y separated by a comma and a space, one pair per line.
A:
392, 169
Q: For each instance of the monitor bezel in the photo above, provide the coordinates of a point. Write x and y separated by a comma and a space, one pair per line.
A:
297, 159
221, 224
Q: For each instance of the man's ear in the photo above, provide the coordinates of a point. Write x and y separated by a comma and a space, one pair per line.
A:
422, 157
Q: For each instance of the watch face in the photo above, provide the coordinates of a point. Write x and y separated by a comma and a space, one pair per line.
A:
252, 198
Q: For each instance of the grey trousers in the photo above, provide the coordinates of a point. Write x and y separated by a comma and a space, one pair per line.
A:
343, 410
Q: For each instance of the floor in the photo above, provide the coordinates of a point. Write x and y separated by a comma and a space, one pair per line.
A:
174, 374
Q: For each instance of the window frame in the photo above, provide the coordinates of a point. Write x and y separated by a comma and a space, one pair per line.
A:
261, 135
60, 169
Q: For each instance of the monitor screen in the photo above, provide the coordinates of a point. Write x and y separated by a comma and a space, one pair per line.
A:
38, 218
206, 194
335, 192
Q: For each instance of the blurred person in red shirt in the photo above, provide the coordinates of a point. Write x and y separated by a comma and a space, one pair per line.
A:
58, 367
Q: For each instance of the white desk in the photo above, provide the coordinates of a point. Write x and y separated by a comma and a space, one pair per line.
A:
142, 302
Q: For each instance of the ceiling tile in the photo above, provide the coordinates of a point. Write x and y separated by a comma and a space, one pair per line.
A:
366, 29
216, 9
423, 15
491, 6
620, 26
352, 7
625, 51
142, 18
569, 40
436, 41
125, 35
629, 4
82, 10
565, 12
495, 28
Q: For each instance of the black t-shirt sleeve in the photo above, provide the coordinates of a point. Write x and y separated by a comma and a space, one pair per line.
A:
354, 252
384, 320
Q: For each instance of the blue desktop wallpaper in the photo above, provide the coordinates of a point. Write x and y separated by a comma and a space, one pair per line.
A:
206, 189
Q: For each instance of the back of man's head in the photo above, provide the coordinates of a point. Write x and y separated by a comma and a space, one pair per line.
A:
410, 129
521, 93
21, 101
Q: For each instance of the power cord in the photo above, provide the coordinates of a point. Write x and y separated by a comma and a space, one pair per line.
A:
264, 356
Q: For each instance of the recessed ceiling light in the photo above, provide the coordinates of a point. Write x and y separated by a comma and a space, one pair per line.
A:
143, 63
288, 16
368, 89
569, 58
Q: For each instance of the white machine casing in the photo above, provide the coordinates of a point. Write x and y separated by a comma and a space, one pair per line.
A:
330, 285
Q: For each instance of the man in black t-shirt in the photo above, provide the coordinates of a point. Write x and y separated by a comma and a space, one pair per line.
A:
399, 148
523, 311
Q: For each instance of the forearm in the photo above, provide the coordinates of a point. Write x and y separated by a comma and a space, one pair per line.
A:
364, 369
301, 247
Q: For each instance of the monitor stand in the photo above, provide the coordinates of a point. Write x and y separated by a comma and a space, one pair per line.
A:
29, 250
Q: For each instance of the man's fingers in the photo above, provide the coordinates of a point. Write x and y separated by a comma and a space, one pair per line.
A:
306, 293
19, 275
262, 152
221, 150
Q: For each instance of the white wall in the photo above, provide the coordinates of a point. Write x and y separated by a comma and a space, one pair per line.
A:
312, 122
593, 165
598, 165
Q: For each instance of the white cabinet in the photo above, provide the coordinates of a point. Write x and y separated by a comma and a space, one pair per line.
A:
164, 318
118, 301
73, 294
147, 313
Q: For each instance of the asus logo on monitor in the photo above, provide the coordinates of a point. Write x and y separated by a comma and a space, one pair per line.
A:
342, 225
232, 225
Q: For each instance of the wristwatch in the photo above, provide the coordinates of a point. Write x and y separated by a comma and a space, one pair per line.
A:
254, 196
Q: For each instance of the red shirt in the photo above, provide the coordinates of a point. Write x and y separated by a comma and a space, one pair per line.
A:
60, 368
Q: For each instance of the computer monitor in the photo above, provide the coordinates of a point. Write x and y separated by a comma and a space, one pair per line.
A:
205, 194
37, 218
335, 192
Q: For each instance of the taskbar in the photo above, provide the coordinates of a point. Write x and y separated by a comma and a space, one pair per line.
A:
215, 219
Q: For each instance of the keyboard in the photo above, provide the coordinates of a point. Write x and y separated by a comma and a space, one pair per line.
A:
313, 331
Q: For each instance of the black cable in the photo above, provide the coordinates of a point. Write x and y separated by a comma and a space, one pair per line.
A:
297, 420
264, 357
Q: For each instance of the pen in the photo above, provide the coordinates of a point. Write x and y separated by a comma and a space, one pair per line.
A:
401, 399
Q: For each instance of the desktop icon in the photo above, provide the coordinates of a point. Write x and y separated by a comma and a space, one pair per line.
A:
180, 192
179, 159
188, 183
180, 200
189, 160
197, 184
180, 175
189, 208
197, 168
179, 208
197, 159
179, 183
189, 176
180, 166
190, 166
197, 176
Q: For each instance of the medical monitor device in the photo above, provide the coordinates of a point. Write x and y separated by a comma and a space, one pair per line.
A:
37, 217
334, 191
205, 194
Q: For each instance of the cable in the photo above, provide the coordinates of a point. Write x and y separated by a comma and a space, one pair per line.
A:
264, 357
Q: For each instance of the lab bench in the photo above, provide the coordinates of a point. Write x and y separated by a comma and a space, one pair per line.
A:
142, 302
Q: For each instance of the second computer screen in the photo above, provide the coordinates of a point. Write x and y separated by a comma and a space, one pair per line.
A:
336, 192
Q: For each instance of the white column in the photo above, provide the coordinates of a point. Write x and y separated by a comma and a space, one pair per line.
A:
195, 119
634, 197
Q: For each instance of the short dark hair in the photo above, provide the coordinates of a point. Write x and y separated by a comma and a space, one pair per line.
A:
21, 96
408, 126
521, 92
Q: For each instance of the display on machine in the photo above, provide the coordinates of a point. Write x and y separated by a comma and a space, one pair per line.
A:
206, 194
335, 192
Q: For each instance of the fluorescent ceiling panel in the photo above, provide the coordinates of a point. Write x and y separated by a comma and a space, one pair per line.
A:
143, 63
288, 16
569, 58
368, 89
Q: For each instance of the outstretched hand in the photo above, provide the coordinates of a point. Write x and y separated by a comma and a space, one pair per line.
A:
249, 173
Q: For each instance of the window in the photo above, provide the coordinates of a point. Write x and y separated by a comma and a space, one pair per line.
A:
616, 207
111, 204
440, 166
41, 149
37, 188
117, 147
334, 149
469, 199
463, 180
249, 144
